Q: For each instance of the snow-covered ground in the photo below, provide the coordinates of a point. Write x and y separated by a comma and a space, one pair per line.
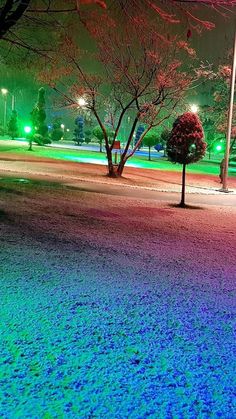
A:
114, 307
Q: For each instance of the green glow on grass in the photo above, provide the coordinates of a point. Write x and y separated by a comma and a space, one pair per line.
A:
83, 159
95, 157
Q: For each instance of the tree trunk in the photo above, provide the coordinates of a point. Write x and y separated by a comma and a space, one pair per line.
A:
120, 167
182, 202
149, 153
114, 170
100, 143
111, 168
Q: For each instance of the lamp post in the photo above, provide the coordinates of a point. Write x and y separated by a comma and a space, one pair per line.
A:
14, 96
4, 93
232, 89
81, 102
28, 136
13, 102
229, 123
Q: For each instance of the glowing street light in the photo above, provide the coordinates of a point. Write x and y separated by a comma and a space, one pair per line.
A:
194, 108
4, 91
82, 102
27, 129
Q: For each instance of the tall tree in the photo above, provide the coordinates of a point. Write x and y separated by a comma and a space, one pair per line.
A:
149, 140
38, 117
57, 131
165, 135
13, 129
98, 133
214, 115
79, 129
140, 73
138, 133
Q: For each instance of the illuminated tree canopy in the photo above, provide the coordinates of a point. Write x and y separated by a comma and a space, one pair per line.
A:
172, 11
178, 11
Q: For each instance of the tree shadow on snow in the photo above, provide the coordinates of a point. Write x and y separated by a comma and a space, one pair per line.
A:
10, 191
187, 206
3, 215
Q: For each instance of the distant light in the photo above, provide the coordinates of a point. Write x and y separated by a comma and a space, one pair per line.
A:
23, 180
27, 129
81, 101
67, 129
194, 108
218, 147
49, 126
62, 126
4, 91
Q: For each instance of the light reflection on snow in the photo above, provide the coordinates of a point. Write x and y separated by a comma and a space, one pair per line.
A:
95, 161
85, 160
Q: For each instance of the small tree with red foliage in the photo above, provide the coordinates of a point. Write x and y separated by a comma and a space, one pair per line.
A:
186, 144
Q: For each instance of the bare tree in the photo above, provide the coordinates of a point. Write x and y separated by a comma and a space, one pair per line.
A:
179, 11
10, 13
140, 77
22, 22
20, 18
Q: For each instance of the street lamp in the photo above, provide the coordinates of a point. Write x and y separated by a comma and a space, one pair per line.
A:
27, 129
229, 123
28, 136
81, 102
4, 93
194, 108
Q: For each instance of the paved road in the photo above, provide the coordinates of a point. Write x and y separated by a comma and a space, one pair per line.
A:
219, 199
196, 195
192, 199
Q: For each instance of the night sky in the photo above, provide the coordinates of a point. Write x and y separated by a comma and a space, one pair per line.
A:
211, 46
